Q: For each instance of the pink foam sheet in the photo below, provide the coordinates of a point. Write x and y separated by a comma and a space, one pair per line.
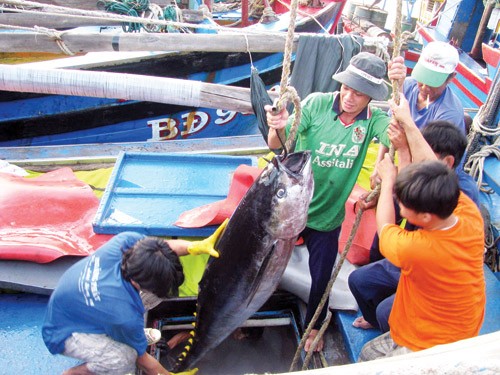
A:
47, 217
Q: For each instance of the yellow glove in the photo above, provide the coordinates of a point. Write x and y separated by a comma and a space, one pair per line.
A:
189, 372
206, 246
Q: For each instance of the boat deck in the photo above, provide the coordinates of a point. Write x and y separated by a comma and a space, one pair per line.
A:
24, 352
355, 338
268, 347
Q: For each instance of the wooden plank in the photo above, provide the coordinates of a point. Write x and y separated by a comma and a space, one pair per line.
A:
126, 86
30, 277
52, 21
33, 14
69, 154
89, 5
477, 355
97, 42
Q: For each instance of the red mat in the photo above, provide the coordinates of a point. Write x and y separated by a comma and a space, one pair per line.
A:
46, 217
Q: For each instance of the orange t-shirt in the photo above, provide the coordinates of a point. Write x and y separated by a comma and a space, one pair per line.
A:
441, 292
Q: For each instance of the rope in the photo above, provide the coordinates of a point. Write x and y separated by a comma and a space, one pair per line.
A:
256, 8
268, 15
57, 37
129, 8
318, 337
248, 51
372, 195
485, 130
475, 164
483, 125
154, 12
288, 93
54, 34
99, 15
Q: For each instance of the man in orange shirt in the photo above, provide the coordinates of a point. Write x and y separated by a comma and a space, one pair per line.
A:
441, 292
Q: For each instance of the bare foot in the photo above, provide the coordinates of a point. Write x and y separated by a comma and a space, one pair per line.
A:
360, 322
310, 339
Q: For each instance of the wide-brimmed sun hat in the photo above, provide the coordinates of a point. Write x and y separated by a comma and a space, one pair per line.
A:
365, 74
435, 64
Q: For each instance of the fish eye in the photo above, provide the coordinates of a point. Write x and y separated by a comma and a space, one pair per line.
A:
281, 193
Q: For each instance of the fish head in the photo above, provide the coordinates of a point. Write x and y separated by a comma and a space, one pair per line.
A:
293, 186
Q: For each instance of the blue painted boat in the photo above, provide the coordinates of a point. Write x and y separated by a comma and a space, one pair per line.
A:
173, 315
23, 350
36, 120
481, 352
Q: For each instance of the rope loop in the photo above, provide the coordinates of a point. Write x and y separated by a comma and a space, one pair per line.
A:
154, 12
57, 37
475, 164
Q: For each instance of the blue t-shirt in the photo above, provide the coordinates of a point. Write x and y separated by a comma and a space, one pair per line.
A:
92, 297
446, 107
468, 185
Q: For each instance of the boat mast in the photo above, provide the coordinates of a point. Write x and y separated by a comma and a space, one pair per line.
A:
475, 53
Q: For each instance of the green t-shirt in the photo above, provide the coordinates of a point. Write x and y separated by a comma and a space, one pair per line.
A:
338, 153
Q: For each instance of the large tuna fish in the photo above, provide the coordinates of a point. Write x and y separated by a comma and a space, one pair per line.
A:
254, 250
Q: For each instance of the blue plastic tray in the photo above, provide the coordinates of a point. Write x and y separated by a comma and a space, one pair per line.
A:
148, 191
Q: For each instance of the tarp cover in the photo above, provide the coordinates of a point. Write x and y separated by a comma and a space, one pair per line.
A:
318, 58
46, 217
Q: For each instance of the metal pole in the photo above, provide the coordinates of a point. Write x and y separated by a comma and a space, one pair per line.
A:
475, 53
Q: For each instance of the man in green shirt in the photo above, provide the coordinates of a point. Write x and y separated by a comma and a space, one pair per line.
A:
337, 127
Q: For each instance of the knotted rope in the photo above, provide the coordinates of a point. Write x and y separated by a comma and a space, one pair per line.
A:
475, 164
372, 195
51, 33
130, 8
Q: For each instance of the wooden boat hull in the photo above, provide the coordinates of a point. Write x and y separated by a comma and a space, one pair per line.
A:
34, 119
31, 119
16, 311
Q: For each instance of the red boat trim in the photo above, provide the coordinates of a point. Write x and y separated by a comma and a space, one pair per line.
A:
470, 76
337, 18
469, 95
424, 33
491, 56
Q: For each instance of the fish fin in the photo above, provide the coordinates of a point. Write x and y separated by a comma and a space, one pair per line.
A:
190, 342
257, 279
